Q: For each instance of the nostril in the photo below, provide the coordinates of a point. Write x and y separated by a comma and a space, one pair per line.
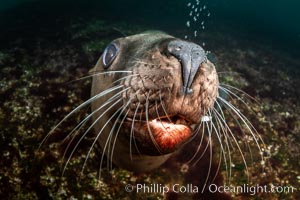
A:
178, 48
191, 56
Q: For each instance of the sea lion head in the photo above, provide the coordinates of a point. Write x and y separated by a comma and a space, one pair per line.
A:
151, 92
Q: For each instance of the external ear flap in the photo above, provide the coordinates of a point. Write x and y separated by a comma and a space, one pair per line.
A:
109, 54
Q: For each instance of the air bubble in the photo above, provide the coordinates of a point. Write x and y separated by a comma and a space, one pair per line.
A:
207, 52
188, 24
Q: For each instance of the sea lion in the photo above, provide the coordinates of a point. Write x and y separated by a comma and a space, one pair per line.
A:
158, 89
152, 94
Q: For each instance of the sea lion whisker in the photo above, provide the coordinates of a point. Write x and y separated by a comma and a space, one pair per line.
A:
228, 72
158, 116
236, 142
220, 130
196, 131
94, 73
239, 90
97, 73
225, 135
111, 99
148, 126
243, 132
229, 92
218, 134
163, 107
239, 124
206, 147
108, 141
247, 123
99, 133
142, 62
117, 133
222, 116
132, 133
91, 114
141, 115
199, 145
210, 155
218, 168
222, 150
87, 102
125, 77
85, 133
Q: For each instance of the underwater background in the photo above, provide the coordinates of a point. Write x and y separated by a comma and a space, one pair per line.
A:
44, 45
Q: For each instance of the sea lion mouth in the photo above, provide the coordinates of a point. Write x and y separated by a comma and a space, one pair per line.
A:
161, 135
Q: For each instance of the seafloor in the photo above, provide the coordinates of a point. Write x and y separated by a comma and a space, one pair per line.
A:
39, 64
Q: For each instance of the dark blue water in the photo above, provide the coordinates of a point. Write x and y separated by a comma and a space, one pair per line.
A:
274, 21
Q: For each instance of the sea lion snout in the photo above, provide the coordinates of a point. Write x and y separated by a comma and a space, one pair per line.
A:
191, 56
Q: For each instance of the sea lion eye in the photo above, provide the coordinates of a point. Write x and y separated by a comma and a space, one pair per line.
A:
109, 55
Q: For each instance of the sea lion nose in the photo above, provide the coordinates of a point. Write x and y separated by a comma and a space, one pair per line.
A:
191, 56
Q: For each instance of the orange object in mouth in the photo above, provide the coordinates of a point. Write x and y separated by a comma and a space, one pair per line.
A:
159, 136
168, 135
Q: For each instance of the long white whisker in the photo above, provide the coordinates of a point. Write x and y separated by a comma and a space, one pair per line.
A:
111, 134
239, 90
78, 108
220, 125
236, 142
148, 126
227, 91
132, 133
125, 77
163, 107
205, 149
85, 133
88, 117
248, 124
220, 141
98, 135
115, 139
243, 132
210, 157
199, 145
98, 74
